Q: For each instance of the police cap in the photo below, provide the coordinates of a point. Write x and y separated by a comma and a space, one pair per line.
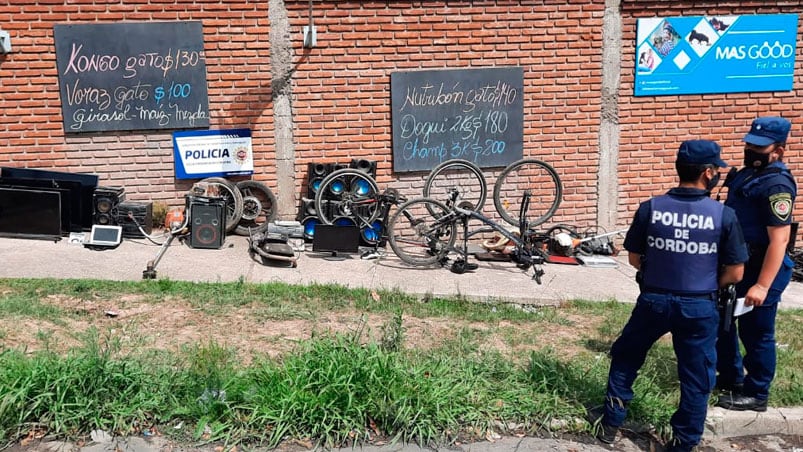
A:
768, 130
700, 152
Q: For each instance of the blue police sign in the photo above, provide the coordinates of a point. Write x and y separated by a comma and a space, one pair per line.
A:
715, 54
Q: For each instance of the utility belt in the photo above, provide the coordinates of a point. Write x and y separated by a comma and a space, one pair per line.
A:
713, 296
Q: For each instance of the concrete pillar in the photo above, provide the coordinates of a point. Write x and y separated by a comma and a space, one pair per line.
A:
281, 56
607, 177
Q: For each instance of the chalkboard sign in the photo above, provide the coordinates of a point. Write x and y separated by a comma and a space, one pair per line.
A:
471, 114
132, 76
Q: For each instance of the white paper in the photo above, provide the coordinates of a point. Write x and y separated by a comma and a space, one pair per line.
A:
740, 308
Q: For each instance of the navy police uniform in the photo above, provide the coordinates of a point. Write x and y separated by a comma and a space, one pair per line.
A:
761, 197
683, 237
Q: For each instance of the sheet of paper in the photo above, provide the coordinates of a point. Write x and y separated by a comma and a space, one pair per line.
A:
740, 308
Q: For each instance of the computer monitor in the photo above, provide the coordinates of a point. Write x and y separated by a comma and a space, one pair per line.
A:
335, 240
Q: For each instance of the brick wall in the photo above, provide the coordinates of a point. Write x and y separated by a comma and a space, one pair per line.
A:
341, 98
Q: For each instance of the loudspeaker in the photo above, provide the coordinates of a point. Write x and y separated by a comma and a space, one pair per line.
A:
366, 166
143, 215
315, 174
207, 222
372, 235
309, 224
104, 203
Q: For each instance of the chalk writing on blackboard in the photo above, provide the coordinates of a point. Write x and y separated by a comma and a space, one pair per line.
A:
472, 114
153, 78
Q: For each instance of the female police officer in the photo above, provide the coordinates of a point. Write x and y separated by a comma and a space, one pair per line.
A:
762, 194
685, 246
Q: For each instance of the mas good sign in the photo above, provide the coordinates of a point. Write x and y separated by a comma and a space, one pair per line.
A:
715, 54
471, 114
132, 76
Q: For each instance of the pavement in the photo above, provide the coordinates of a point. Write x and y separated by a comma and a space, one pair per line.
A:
614, 279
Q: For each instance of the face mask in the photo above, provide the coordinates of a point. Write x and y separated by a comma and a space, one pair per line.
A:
753, 159
712, 183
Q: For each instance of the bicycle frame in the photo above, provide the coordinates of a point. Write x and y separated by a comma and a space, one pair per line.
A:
524, 254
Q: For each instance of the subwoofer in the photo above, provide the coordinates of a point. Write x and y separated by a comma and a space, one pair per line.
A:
366, 166
104, 204
207, 222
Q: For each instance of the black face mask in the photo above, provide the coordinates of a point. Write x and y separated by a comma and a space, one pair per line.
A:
753, 159
712, 184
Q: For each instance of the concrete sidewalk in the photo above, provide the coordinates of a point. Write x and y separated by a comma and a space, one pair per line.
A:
491, 281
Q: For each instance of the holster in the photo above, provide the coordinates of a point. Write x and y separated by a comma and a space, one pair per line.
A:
725, 303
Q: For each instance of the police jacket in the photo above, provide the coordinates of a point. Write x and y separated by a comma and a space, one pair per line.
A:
684, 237
761, 198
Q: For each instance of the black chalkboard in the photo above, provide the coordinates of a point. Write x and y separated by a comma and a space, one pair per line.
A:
471, 114
132, 76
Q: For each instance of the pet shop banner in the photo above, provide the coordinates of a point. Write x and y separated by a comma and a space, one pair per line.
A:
210, 153
715, 54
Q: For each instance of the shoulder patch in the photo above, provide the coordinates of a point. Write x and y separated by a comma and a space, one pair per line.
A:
781, 205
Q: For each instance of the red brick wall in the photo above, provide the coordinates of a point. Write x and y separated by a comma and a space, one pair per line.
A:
341, 98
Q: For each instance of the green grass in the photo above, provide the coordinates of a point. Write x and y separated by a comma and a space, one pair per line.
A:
333, 389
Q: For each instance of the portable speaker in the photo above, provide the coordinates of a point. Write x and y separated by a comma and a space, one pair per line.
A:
104, 203
207, 222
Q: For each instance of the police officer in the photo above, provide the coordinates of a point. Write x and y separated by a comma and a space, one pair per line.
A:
685, 246
762, 194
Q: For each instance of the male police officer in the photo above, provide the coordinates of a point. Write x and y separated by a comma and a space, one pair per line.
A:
685, 246
762, 194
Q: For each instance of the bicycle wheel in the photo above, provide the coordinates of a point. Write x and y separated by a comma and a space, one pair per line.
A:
232, 197
463, 175
422, 231
259, 207
347, 192
529, 174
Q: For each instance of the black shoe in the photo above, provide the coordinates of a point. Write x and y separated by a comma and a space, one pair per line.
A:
676, 446
606, 433
734, 389
742, 403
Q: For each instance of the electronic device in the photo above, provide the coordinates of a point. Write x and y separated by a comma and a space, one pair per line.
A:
104, 236
104, 204
132, 216
30, 214
335, 240
207, 220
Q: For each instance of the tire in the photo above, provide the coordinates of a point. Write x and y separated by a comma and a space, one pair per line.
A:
461, 174
259, 207
232, 197
348, 192
420, 232
529, 174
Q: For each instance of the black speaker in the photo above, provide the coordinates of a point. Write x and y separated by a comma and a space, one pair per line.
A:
207, 222
142, 213
104, 204
315, 174
366, 166
373, 235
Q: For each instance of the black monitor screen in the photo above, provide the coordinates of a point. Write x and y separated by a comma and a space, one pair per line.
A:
27, 213
335, 239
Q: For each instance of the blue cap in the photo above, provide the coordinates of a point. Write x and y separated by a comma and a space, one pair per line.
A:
700, 152
768, 130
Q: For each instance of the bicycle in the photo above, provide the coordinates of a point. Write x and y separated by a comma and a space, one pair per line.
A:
534, 175
423, 231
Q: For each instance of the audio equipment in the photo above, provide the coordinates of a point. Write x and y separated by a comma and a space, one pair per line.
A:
104, 203
366, 166
207, 221
309, 224
315, 174
142, 213
372, 235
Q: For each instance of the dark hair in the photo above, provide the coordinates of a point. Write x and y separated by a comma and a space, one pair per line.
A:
690, 172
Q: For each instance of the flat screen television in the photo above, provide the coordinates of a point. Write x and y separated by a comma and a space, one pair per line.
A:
335, 240
30, 213
70, 199
81, 185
